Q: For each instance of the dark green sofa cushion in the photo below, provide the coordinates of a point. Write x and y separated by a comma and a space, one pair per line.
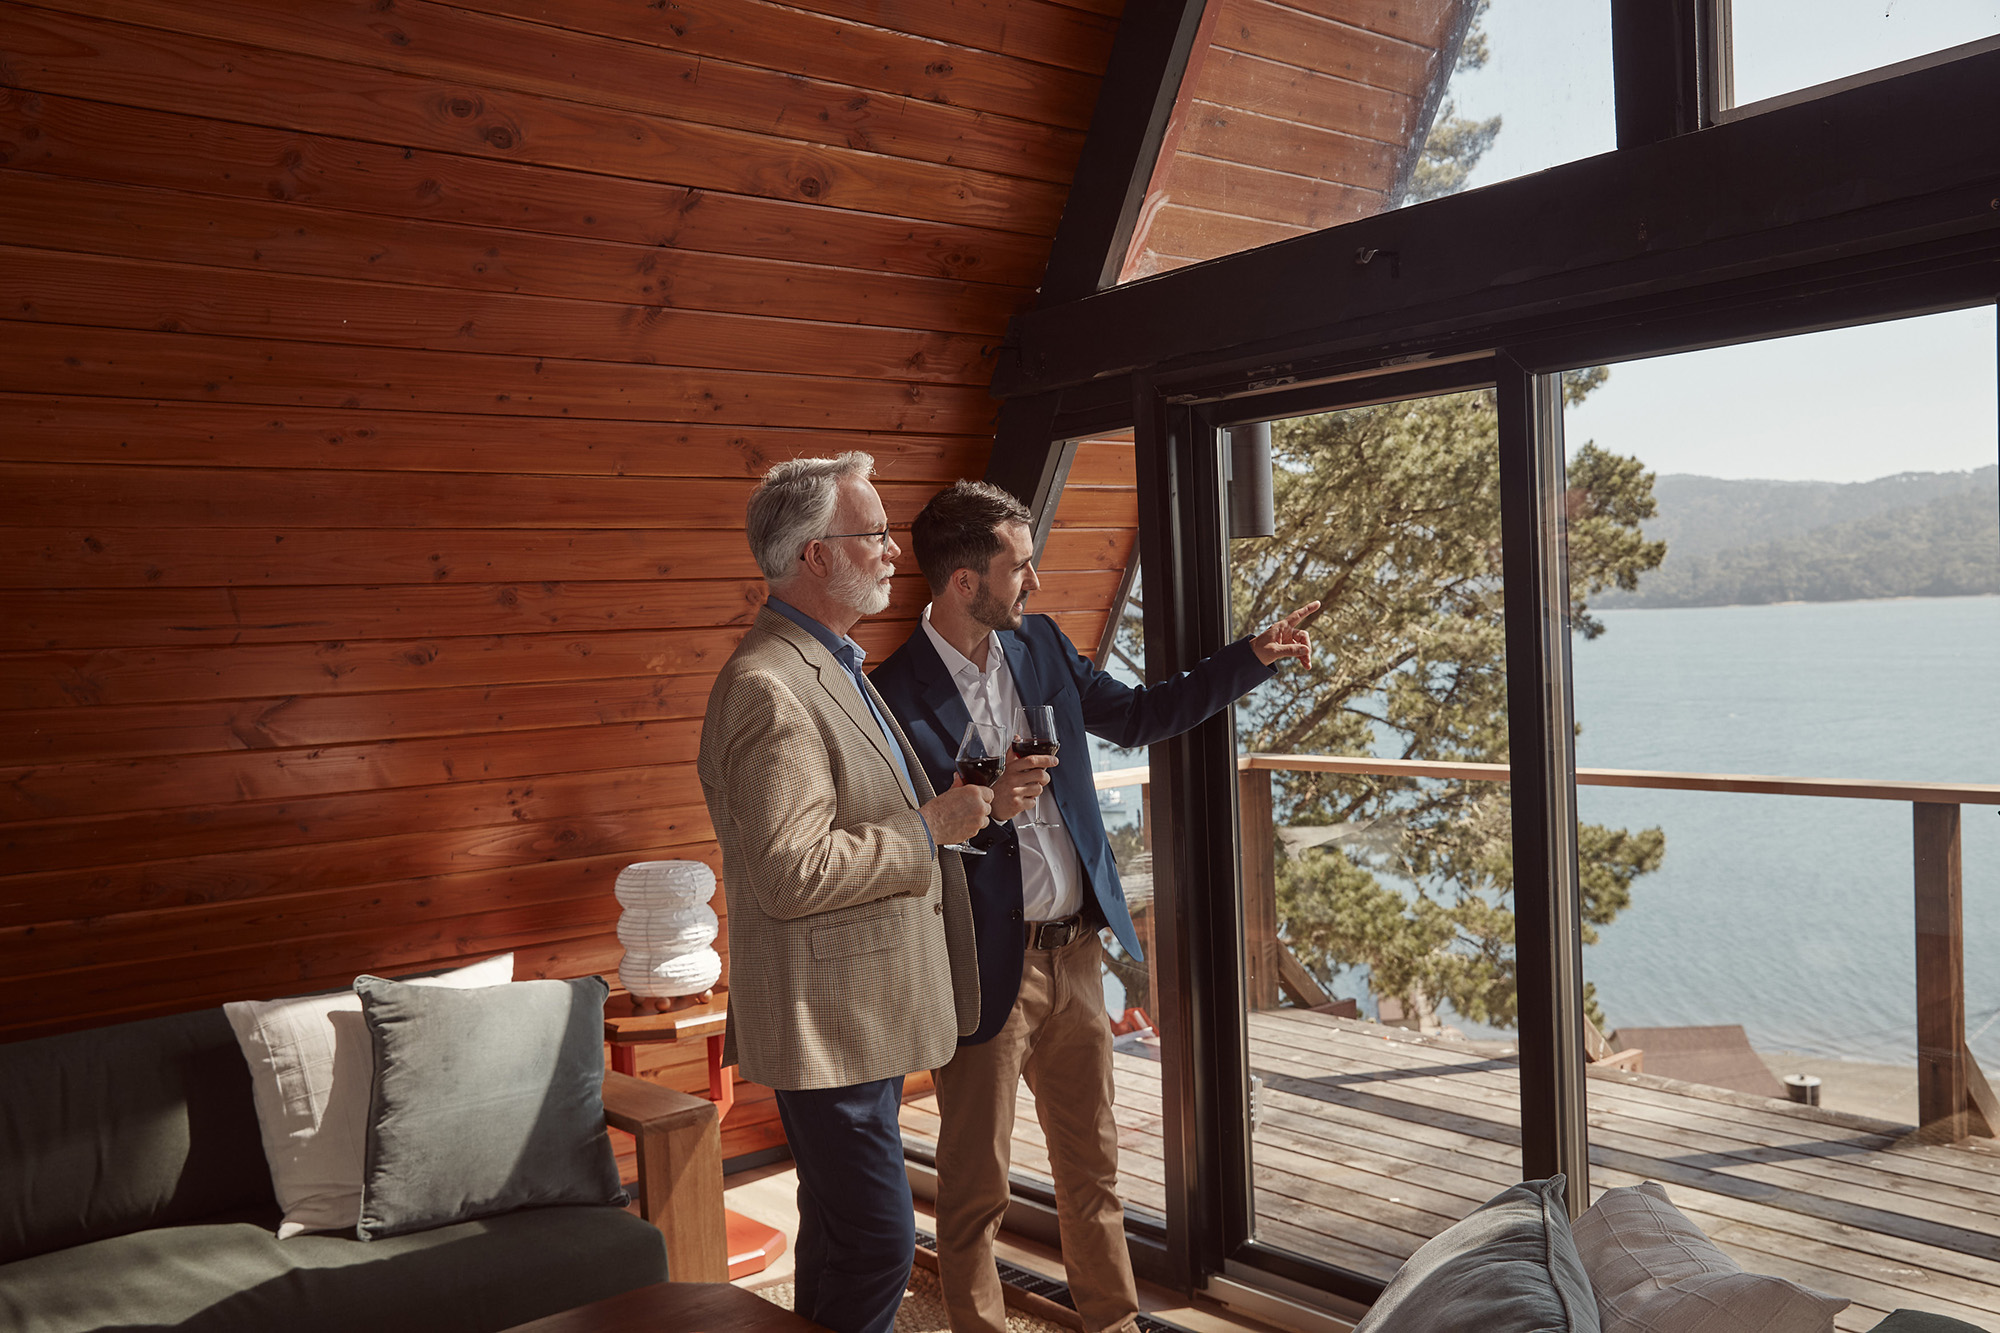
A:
121, 1128
1916, 1321
238, 1277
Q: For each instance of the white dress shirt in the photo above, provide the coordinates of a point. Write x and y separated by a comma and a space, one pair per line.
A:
1051, 873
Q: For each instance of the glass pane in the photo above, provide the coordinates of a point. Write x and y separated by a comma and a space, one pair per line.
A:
1375, 863
1132, 996
1099, 522
1812, 597
1294, 117
1781, 46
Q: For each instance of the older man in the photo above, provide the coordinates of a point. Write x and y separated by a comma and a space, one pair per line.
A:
1042, 893
850, 935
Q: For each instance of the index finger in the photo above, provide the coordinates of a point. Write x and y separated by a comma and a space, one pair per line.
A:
1300, 616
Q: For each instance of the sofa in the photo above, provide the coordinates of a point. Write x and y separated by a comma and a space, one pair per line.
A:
137, 1196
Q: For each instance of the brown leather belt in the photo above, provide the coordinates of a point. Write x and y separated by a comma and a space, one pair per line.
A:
1057, 933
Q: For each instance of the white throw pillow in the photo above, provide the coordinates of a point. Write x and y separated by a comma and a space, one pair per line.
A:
1653, 1271
310, 1070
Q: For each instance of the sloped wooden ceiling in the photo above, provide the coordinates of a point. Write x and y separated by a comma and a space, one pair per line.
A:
1294, 117
381, 382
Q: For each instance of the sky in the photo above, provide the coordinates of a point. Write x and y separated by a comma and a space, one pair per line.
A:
1912, 395
1915, 395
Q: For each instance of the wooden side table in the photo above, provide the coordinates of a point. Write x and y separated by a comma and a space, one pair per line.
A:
627, 1028
752, 1245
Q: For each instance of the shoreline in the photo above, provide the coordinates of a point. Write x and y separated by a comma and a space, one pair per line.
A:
1801, 601
1885, 1092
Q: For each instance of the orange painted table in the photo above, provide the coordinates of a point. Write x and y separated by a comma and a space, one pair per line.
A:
752, 1245
627, 1029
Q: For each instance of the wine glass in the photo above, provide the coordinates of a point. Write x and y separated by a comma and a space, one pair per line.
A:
1035, 733
982, 756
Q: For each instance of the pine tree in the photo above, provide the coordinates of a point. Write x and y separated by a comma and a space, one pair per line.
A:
1390, 516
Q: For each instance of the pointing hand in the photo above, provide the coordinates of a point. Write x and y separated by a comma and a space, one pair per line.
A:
1285, 638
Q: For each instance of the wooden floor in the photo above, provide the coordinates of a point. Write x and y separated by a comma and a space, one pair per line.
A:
1370, 1140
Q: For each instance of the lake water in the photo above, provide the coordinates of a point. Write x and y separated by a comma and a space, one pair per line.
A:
1793, 915
1790, 915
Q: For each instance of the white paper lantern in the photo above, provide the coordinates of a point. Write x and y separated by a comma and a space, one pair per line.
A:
667, 929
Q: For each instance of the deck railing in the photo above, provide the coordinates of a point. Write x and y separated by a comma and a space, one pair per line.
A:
1954, 1100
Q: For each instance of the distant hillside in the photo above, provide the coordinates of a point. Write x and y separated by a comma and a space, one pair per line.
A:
1702, 515
1917, 534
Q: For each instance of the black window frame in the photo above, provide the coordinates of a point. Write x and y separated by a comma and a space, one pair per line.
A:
1198, 931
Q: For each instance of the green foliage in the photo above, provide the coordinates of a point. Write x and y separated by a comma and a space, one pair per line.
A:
1590, 1009
1127, 845
1608, 860
1704, 515
1473, 52
1578, 385
1390, 516
1609, 496
1949, 547
1451, 150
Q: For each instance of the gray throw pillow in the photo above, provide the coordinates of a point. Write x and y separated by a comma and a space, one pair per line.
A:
484, 1101
1511, 1267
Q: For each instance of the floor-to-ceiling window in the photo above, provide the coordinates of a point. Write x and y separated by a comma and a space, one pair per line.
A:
1375, 835
1788, 711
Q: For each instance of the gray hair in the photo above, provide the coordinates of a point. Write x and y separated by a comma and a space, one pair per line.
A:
795, 504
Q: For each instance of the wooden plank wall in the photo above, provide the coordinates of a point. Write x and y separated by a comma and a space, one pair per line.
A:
381, 382
1096, 528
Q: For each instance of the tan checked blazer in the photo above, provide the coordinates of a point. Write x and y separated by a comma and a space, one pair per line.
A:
851, 955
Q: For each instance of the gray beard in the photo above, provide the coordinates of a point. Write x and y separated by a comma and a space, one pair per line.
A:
851, 586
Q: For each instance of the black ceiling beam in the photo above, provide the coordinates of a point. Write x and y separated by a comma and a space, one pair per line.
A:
1135, 103
1897, 163
1917, 280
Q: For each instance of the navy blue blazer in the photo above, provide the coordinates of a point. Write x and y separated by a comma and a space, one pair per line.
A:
1049, 670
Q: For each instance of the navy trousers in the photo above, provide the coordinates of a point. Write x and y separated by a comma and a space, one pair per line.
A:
857, 1232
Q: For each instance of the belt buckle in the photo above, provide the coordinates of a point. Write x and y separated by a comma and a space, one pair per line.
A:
1058, 933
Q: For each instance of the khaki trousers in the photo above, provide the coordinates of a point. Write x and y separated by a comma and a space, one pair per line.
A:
1059, 1039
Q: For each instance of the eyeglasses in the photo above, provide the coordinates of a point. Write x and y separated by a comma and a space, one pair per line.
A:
881, 537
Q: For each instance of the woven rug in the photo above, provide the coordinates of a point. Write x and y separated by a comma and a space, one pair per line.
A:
923, 1307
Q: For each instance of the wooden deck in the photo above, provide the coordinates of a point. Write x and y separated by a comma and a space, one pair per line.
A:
1370, 1140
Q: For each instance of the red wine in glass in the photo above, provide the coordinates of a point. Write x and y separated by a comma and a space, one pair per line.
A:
982, 757
982, 772
1035, 733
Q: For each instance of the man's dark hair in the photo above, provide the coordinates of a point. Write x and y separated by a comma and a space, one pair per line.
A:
956, 529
